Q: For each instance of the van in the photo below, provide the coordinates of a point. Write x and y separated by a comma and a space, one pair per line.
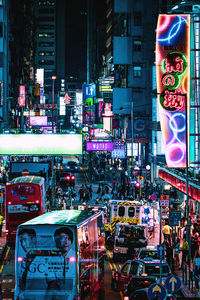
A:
129, 239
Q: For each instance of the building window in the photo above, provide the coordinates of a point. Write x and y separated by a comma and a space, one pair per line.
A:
46, 44
46, 62
137, 71
45, 53
137, 44
137, 18
46, 11
1, 29
46, 3
46, 26
46, 35
46, 19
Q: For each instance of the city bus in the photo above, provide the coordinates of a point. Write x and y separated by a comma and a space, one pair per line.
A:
25, 198
60, 255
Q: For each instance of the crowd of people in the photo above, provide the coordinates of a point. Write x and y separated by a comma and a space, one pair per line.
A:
178, 251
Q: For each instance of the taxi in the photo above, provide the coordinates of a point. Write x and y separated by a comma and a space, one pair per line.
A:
137, 267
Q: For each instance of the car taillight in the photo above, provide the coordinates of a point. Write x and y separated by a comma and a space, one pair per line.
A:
37, 201
9, 202
73, 177
126, 298
68, 177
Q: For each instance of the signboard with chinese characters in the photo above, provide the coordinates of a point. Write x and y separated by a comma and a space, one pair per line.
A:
22, 95
99, 146
173, 77
89, 95
119, 150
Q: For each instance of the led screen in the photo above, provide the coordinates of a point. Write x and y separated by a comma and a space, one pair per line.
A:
40, 144
173, 75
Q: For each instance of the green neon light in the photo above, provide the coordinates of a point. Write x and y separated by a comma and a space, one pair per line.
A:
40, 144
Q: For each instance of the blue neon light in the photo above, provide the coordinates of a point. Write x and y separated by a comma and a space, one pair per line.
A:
172, 34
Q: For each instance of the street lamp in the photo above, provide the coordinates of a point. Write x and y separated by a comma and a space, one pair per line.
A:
53, 84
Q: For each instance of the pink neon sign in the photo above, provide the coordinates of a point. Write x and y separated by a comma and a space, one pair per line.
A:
172, 66
22, 95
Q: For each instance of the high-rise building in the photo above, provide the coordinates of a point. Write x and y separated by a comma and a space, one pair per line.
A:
130, 58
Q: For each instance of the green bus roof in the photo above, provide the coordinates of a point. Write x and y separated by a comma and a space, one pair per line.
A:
27, 179
61, 217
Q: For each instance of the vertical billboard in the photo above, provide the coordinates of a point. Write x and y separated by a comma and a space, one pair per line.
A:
22, 95
173, 76
89, 95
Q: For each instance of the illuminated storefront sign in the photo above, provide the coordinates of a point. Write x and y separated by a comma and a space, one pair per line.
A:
99, 146
40, 144
22, 95
38, 120
89, 96
173, 75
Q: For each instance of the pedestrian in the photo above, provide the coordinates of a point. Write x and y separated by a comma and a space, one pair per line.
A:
194, 246
167, 231
81, 193
177, 253
90, 191
1, 223
185, 250
99, 189
169, 255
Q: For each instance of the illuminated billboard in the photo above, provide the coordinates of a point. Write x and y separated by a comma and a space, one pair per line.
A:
99, 146
38, 120
173, 76
89, 95
40, 144
22, 95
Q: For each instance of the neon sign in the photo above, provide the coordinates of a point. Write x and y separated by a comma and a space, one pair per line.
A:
172, 67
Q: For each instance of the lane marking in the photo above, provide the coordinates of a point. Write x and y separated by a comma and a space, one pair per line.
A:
1, 270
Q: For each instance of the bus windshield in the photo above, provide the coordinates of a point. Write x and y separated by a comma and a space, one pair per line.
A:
22, 190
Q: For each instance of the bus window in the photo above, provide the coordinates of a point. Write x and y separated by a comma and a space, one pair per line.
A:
131, 212
121, 211
22, 190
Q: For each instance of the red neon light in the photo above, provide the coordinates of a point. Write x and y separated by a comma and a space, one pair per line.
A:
168, 79
173, 100
22, 95
178, 65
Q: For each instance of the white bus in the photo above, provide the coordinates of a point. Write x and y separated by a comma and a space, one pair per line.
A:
59, 255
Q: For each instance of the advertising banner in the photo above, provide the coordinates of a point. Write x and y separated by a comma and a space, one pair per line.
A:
46, 266
99, 146
173, 77
119, 150
22, 95
38, 120
40, 144
89, 95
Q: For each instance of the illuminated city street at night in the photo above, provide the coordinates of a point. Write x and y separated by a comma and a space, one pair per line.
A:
99, 149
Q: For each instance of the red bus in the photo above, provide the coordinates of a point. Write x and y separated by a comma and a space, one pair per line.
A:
65, 254
25, 199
